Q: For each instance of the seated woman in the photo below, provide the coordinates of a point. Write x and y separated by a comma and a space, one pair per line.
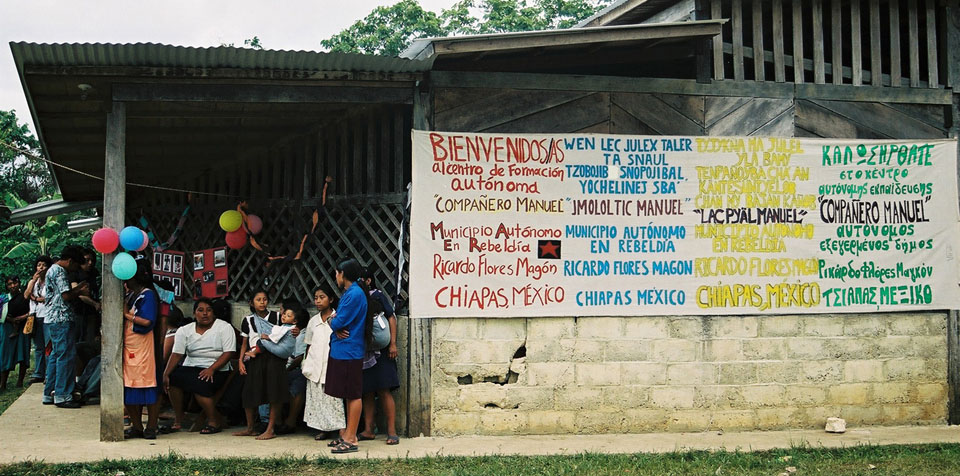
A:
205, 348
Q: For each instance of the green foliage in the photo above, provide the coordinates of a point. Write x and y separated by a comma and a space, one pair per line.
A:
389, 30
253, 43
24, 181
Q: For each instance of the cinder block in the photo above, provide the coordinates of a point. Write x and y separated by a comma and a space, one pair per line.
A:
608, 328
502, 422
764, 349
894, 392
530, 398
596, 422
627, 350
821, 371
867, 326
935, 370
550, 328
504, 329
585, 350
598, 374
822, 325
643, 373
735, 326
904, 369
719, 397
738, 373
929, 347
646, 328
783, 372
625, 396
734, 420
551, 374
549, 350
454, 329
645, 420
863, 371
454, 423
479, 396
779, 418
779, 326
686, 328
550, 422
759, 396
477, 351
692, 374
845, 348
447, 374
804, 395
816, 417
936, 323
688, 420
892, 347
672, 397
577, 398
722, 350
861, 414
932, 393
848, 394
445, 398
902, 414
675, 350
807, 348
908, 325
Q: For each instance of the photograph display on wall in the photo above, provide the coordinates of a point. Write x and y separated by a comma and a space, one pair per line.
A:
210, 275
168, 268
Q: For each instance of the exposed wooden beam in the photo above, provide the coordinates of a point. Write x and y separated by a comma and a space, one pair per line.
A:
153, 92
218, 73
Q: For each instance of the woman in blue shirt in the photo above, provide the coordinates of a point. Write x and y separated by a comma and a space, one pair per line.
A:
345, 364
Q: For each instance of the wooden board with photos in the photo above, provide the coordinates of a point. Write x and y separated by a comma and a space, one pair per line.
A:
168, 268
210, 275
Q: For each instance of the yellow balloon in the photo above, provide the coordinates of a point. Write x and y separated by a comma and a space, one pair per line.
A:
231, 220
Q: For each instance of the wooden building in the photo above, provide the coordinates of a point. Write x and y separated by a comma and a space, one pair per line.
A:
268, 127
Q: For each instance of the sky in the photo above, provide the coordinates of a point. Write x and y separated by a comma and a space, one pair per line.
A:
283, 25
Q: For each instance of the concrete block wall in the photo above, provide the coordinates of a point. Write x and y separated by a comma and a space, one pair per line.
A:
648, 374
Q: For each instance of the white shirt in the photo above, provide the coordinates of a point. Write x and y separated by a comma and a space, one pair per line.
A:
317, 337
202, 350
38, 309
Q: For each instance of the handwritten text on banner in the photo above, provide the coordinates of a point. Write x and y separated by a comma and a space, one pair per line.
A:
607, 225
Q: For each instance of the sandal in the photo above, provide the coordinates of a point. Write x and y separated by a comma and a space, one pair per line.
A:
167, 429
209, 430
150, 434
335, 442
345, 447
393, 440
362, 437
130, 434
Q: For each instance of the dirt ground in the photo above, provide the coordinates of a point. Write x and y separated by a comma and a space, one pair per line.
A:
35, 432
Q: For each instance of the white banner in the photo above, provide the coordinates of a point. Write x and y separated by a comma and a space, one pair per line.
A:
506, 225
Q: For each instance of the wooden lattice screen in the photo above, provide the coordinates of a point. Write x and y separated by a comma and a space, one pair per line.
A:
366, 228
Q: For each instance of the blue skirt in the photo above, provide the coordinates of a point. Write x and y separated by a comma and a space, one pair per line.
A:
139, 396
14, 347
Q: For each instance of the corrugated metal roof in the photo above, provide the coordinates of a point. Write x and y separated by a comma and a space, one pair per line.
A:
159, 55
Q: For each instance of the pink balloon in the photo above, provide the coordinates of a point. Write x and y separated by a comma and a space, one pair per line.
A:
106, 240
237, 239
254, 224
146, 241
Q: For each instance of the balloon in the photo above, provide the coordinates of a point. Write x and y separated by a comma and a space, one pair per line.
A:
254, 224
146, 241
237, 239
106, 240
230, 220
124, 266
131, 238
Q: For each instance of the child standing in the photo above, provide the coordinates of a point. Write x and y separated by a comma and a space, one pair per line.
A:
266, 376
322, 412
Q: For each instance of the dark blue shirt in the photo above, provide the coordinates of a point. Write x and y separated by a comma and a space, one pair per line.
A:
351, 315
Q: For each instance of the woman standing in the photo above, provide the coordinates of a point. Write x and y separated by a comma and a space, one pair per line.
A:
140, 341
36, 292
345, 366
14, 346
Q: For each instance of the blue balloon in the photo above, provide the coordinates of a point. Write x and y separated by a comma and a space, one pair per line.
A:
131, 238
124, 266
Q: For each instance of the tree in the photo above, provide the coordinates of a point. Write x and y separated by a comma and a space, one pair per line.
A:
389, 30
252, 43
28, 179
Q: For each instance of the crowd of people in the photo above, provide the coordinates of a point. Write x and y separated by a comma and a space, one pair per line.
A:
281, 371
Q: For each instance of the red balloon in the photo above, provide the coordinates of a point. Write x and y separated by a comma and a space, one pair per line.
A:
106, 240
254, 224
237, 239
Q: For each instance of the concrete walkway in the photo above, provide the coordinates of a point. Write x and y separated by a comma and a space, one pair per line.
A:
32, 432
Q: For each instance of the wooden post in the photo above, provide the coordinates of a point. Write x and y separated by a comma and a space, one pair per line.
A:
953, 319
114, 209
419, 349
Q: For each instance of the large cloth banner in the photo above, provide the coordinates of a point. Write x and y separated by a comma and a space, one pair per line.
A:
509, 225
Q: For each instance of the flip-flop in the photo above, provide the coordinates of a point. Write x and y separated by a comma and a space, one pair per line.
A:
393, 440
345, 447
167, 429
209, 430
130, 433
335, 442
362, 437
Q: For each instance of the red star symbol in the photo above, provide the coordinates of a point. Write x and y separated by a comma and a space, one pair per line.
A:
549, 249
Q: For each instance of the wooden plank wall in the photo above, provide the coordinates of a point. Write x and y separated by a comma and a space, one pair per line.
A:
879, 43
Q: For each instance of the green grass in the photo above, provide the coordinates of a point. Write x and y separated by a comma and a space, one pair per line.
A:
921, 460
11, 394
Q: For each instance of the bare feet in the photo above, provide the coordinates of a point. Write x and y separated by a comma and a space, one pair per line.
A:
267, 435
245, 432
